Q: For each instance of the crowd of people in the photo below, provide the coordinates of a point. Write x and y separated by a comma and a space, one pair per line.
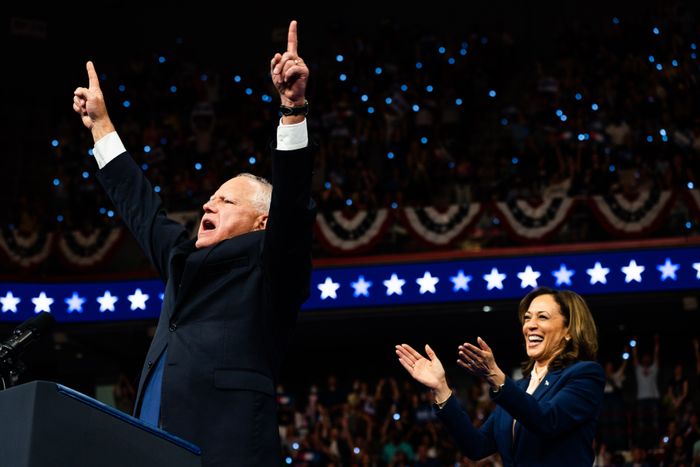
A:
459, 116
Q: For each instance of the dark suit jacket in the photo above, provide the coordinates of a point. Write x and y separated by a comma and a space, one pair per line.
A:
226, 312
555, 425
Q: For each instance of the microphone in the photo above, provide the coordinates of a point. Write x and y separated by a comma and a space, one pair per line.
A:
23, 335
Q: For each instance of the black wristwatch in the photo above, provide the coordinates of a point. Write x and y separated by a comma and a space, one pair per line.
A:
296, 110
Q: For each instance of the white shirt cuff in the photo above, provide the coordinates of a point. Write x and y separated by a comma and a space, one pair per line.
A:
108, 148
293, 136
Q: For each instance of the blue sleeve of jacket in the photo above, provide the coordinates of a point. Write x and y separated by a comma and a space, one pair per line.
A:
474, 443
142, 210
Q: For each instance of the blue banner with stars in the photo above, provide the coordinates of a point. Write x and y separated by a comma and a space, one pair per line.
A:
420, 282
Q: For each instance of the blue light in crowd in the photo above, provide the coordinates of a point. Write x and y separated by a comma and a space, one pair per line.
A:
343, 77
514, 161
394, 205
693, 56
458, 101
339, 58
103, 210
651, 59
295, 445
266, 98
156, 189
441, 50
429, 88
197, 166
56, 182
356, 450
451, 61
173, 89
59, 218
388, 100
495, 221
288, 460
144, 166
655, 30
404, 87
163, 141
327, 185
578, 96
203, 77
559, 112
415, 107
370, 110
419, 65
91, 152
348, 202
674, 63
237, 79
688, 225
616, 20
126, 104
581, 137
424, 140
378, 70
252, 160
396, 416
594, 107
249, 91
146, 149
121, 88
659, 67
110, 213
504, 121
662, 132
54, 143
463, 52
85, 174
625, 355
611, 168
650, 139
691, 185
563, 118
389, 155
693, 46
364, 97
492, 93
161, 59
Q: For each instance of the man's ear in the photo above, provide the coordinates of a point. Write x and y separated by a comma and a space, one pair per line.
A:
261, 222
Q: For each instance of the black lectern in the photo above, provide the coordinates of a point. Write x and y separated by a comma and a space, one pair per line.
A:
46, 424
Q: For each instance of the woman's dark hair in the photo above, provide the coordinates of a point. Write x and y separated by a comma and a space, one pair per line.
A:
583, 344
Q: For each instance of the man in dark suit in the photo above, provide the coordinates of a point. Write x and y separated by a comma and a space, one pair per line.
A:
232, 294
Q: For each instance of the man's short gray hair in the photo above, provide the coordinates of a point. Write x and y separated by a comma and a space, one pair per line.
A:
263, 195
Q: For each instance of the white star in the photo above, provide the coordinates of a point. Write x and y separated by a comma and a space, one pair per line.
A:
138, 300
9, 302
695, 265
460, 281
528, 278
668, 270
393, 285
107, 302
361, 287
494, 279
75, 303
427, 283
328, 289
633, 272
563, 275
42, 303
598, 273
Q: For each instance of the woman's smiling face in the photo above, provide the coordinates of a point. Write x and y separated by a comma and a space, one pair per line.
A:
544, 328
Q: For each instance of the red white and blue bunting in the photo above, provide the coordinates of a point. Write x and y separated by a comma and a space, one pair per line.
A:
534, 223
621, 216
84, 250
354, 234
442, 228
25, 251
